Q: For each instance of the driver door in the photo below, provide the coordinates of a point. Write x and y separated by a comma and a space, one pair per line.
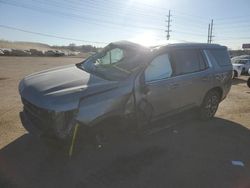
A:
159, 85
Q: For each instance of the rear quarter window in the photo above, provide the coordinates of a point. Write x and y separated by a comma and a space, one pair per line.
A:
187, 61
221, 56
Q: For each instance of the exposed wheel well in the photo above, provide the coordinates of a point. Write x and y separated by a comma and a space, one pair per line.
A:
112, 121
235, 73
108, 124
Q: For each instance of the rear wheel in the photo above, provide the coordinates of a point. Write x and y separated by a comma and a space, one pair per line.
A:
248, 82
210, 105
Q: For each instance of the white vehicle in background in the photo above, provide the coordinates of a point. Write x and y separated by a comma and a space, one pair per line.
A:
248, 81
240, 66
237, 69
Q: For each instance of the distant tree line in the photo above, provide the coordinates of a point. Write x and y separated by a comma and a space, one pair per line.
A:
239, 52
82, 48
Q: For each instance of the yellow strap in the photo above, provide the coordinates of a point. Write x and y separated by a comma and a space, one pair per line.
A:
73, 140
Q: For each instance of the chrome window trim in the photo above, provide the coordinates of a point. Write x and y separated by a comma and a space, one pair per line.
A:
208, 59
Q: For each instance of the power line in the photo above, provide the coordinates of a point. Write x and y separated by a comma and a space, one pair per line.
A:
232, 18
189, 33
92, 20
93, 7
49, 35
157, 9
195, 22
178, 26
234, 24
100, 9
70, 15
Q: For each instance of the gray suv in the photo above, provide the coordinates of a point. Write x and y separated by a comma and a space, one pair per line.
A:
125, 86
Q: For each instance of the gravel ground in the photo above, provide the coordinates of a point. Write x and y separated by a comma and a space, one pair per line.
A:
189, 153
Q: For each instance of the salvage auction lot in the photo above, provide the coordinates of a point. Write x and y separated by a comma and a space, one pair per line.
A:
189, 153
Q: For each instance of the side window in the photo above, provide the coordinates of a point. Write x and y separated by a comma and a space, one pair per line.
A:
159, 68
186, 61
221, 56
236, 61
242, 62
116, 55
113, 56
105, 60
210, 58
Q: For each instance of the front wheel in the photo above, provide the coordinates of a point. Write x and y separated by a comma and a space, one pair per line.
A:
209, 105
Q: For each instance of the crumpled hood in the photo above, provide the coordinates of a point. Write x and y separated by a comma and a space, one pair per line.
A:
61, 88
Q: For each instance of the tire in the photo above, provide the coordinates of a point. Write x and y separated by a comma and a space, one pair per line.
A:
248, 82
209, 105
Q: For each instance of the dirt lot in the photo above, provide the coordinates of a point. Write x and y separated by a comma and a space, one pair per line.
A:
190, 153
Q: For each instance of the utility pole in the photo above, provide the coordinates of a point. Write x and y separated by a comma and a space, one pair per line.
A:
210, 32
168, 24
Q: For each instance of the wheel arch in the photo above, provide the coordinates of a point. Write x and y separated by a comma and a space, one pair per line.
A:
236, 74
218, 90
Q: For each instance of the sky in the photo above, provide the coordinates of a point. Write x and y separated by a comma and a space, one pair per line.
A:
99, 22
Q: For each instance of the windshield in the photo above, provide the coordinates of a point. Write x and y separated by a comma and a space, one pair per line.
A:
110, 63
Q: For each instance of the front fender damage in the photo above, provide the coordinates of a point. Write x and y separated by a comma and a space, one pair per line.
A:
93, 110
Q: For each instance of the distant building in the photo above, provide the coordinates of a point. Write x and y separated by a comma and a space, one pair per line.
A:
246, 46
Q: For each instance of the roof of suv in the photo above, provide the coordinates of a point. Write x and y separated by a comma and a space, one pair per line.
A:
196, 45
128, 44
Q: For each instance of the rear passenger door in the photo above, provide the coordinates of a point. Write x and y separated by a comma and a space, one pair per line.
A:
192, 77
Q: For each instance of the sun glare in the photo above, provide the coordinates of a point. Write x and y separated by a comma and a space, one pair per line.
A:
147, 39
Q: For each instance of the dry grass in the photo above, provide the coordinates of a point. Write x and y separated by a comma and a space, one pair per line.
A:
24, 45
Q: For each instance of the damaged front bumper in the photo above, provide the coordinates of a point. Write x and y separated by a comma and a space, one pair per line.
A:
47, 124
27, 124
